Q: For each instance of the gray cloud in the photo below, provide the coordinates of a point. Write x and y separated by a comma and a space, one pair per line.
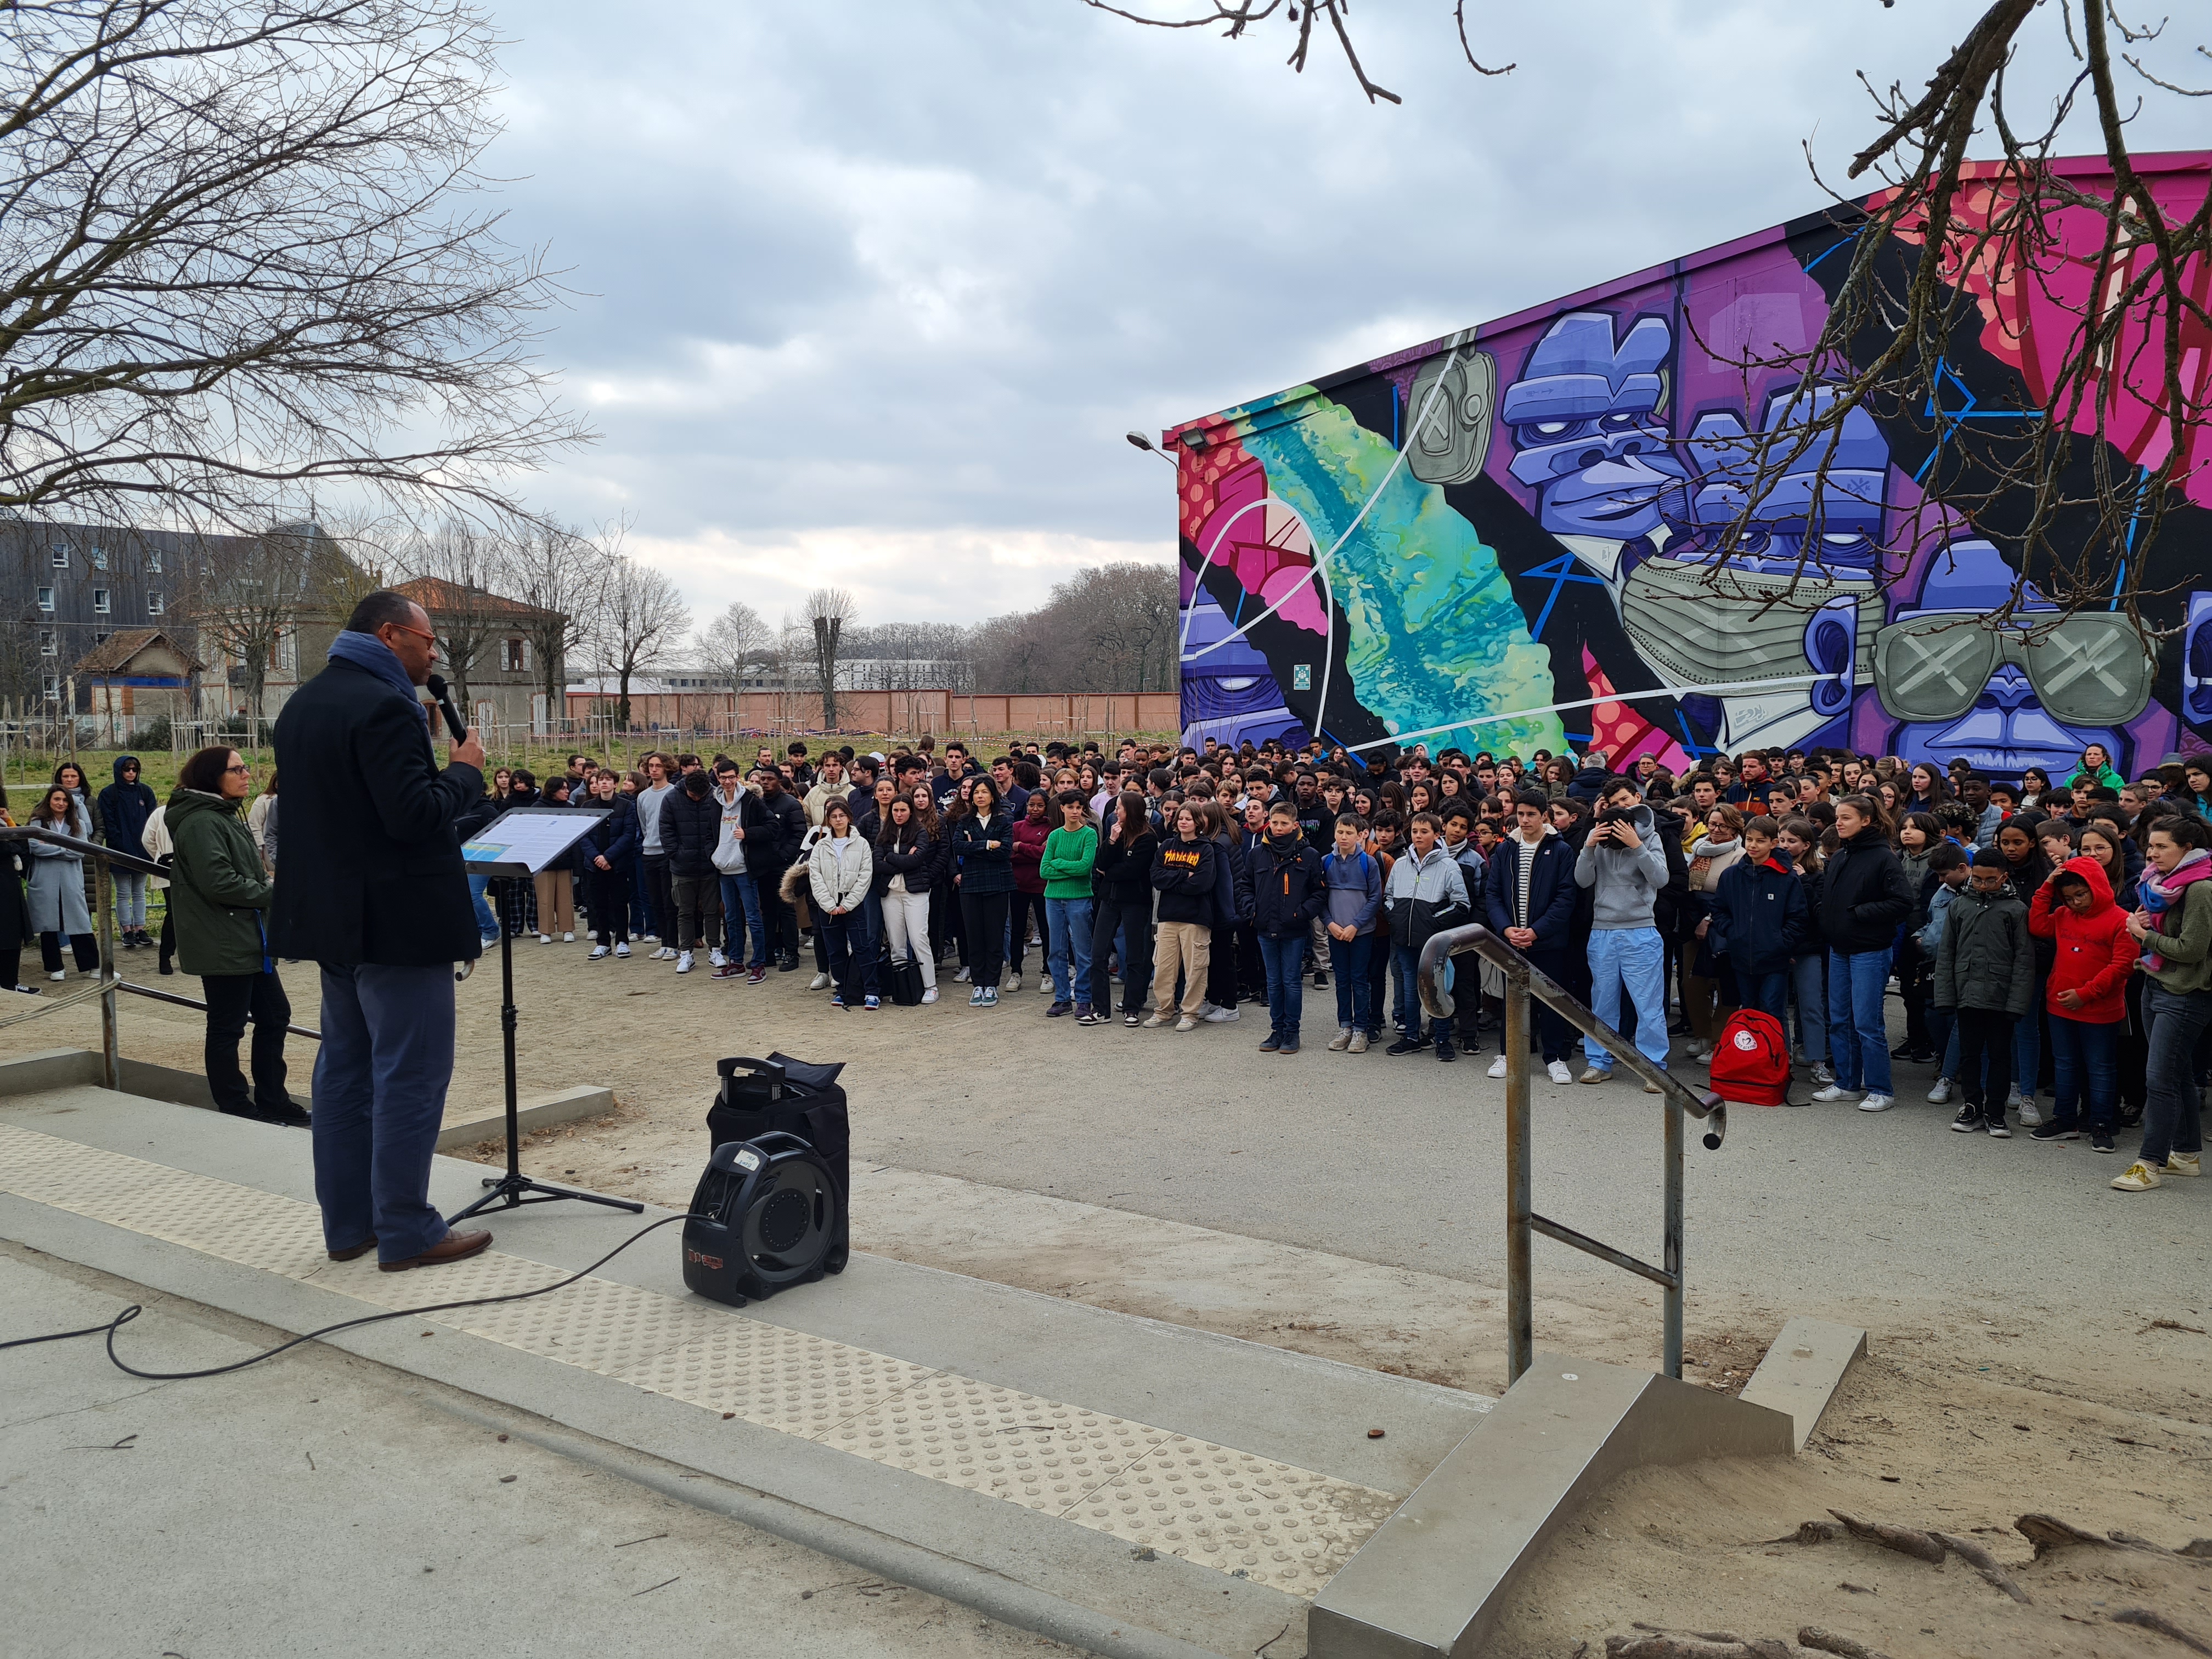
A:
872, 290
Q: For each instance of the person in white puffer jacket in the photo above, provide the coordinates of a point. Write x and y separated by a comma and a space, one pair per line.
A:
840, 871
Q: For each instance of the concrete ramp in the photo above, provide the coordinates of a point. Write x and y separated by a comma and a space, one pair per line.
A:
1128, 1486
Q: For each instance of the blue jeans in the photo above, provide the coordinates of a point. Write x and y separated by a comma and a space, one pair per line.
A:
129, 901
1405, 970
1809, 977
852, 963
2028, 1044
2085, 1061
1633, 959
1858, 1036
1944, 1038
2173, 1119
741, 913
1768, 992
380, 1095
1347, 960
1067, 945
1284, 960
487, 923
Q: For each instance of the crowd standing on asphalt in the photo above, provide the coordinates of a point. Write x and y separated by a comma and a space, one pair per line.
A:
2049, 938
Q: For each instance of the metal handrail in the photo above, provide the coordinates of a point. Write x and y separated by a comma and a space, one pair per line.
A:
110, 980
1523, 979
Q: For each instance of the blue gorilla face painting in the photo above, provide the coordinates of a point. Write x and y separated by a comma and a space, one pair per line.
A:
1830, 522
2005, 695
1588, 422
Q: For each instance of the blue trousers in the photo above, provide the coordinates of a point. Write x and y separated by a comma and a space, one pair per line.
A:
1809, 977
2028, 1043
1347, 960
379, 1097
1634, 960
1285, 959
487, 923
1067, 944
2085, 1061
1858, 1035
1405, 970
741, 913
1768, 992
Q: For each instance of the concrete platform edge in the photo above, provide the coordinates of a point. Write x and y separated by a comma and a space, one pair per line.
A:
1802, 1371
1434, 1578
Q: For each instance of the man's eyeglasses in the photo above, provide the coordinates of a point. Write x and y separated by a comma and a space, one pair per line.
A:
419, 633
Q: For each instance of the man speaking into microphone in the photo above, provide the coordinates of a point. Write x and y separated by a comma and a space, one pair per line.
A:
372, 888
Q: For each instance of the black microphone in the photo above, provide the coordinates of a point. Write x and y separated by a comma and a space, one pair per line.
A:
454, 723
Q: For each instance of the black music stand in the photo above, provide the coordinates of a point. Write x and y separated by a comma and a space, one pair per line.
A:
517, 845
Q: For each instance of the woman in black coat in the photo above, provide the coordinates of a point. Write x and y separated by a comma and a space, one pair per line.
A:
15, 919
603, 860
1122, 880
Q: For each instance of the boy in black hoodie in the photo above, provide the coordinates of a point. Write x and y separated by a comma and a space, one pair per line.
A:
1985, 970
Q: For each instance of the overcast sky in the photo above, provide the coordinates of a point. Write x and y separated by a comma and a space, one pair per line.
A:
869, 292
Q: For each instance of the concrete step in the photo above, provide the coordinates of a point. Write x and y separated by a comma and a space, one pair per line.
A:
1126, 1486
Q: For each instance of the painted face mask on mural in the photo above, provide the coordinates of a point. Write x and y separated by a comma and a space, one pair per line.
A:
1588, 421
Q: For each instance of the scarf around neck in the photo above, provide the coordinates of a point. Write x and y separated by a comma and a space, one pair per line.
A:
2159, 893
367, 651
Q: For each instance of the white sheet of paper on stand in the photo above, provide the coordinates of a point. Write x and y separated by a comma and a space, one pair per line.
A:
525, 840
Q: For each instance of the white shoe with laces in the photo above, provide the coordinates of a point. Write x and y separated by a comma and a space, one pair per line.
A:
684, 962
1940, 1094
623, 949
2030, 1115
1497, 1067
546, 938
568, 939
714, 958
1214, 1016
1875, 1102
1833, 1092
1558, 1072
820, 982
598, 950
1014, 981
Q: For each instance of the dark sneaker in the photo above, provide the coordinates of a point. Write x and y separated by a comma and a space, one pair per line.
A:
1321, 979
1289, 1046
1998, 1128
1968, 1121
1272, 1044
2101, 1142
756, 976
1404, 1045
1444, 1050
2054, 1131
1086, 1015
1058, 1010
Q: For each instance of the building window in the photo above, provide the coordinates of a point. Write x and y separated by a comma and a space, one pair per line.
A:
51, 684
100, 601
153, 605
101, 639
100, 558
47, 646
61, 555
45, 598
154, 563
515, 662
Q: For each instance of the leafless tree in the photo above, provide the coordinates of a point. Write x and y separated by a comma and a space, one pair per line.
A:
827, 610
243, 254
2119, 342
561, 575
465, 564
732, 644
640, 619
247, 598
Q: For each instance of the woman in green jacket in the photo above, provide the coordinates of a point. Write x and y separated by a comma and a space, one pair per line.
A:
218, 894
1071, 855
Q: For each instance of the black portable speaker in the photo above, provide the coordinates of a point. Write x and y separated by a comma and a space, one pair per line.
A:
767, 1215
783, 1095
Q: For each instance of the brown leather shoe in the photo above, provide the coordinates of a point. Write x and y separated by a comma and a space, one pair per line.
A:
453, 1247
357, 1251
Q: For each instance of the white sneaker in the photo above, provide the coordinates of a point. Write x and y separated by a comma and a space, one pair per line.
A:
59, 973
1497, 1067
546, 938
598, 950
1220, 1016
1044, 983
1940, 1094
960, 977
2012, 1098
820, 982
1558, 1072
1833, 1092
1875, 1102
2030, 1114
684, 962
928, 995
623, 949
1014, 981
714, 958
1821, 1073
568, 939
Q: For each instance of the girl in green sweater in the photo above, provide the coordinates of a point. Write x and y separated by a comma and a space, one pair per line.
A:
1071, 852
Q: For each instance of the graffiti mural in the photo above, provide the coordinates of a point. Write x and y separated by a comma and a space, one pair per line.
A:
1513, 538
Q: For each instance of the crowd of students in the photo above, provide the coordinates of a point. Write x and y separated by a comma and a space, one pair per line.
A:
2043, 936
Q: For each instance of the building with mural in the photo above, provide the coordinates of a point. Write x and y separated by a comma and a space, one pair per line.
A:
1511, 537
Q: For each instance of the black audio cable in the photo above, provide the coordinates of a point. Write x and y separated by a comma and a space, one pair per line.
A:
135, 1310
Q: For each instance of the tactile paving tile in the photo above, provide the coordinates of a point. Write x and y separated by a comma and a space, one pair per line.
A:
1211, 1505
1037, 1453
780, 1379
1228, 1509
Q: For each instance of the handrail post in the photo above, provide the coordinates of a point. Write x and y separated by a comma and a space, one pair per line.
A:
110, 1052
1672, 1260
1520, 1288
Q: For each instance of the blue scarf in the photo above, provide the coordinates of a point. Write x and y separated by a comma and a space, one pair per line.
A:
367, 651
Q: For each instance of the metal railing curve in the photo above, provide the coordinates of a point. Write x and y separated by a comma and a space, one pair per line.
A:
1524, 981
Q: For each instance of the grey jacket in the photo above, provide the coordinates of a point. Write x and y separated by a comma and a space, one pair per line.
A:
1624, 881
1985, 959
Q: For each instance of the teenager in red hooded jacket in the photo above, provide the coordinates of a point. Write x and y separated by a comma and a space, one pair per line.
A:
2085, 996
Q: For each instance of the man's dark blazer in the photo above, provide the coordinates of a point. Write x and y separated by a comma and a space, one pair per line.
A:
371, 870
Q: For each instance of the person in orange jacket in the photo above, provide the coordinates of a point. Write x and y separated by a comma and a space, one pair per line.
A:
2085, 996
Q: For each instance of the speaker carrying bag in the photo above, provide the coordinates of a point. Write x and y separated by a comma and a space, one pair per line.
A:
781, 1095
903, 979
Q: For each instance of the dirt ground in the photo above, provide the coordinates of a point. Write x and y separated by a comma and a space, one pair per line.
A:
1087, 1163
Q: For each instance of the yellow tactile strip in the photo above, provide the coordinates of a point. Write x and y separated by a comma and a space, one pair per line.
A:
1213, 1505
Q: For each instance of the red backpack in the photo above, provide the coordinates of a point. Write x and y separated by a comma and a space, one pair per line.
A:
1751, 1060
